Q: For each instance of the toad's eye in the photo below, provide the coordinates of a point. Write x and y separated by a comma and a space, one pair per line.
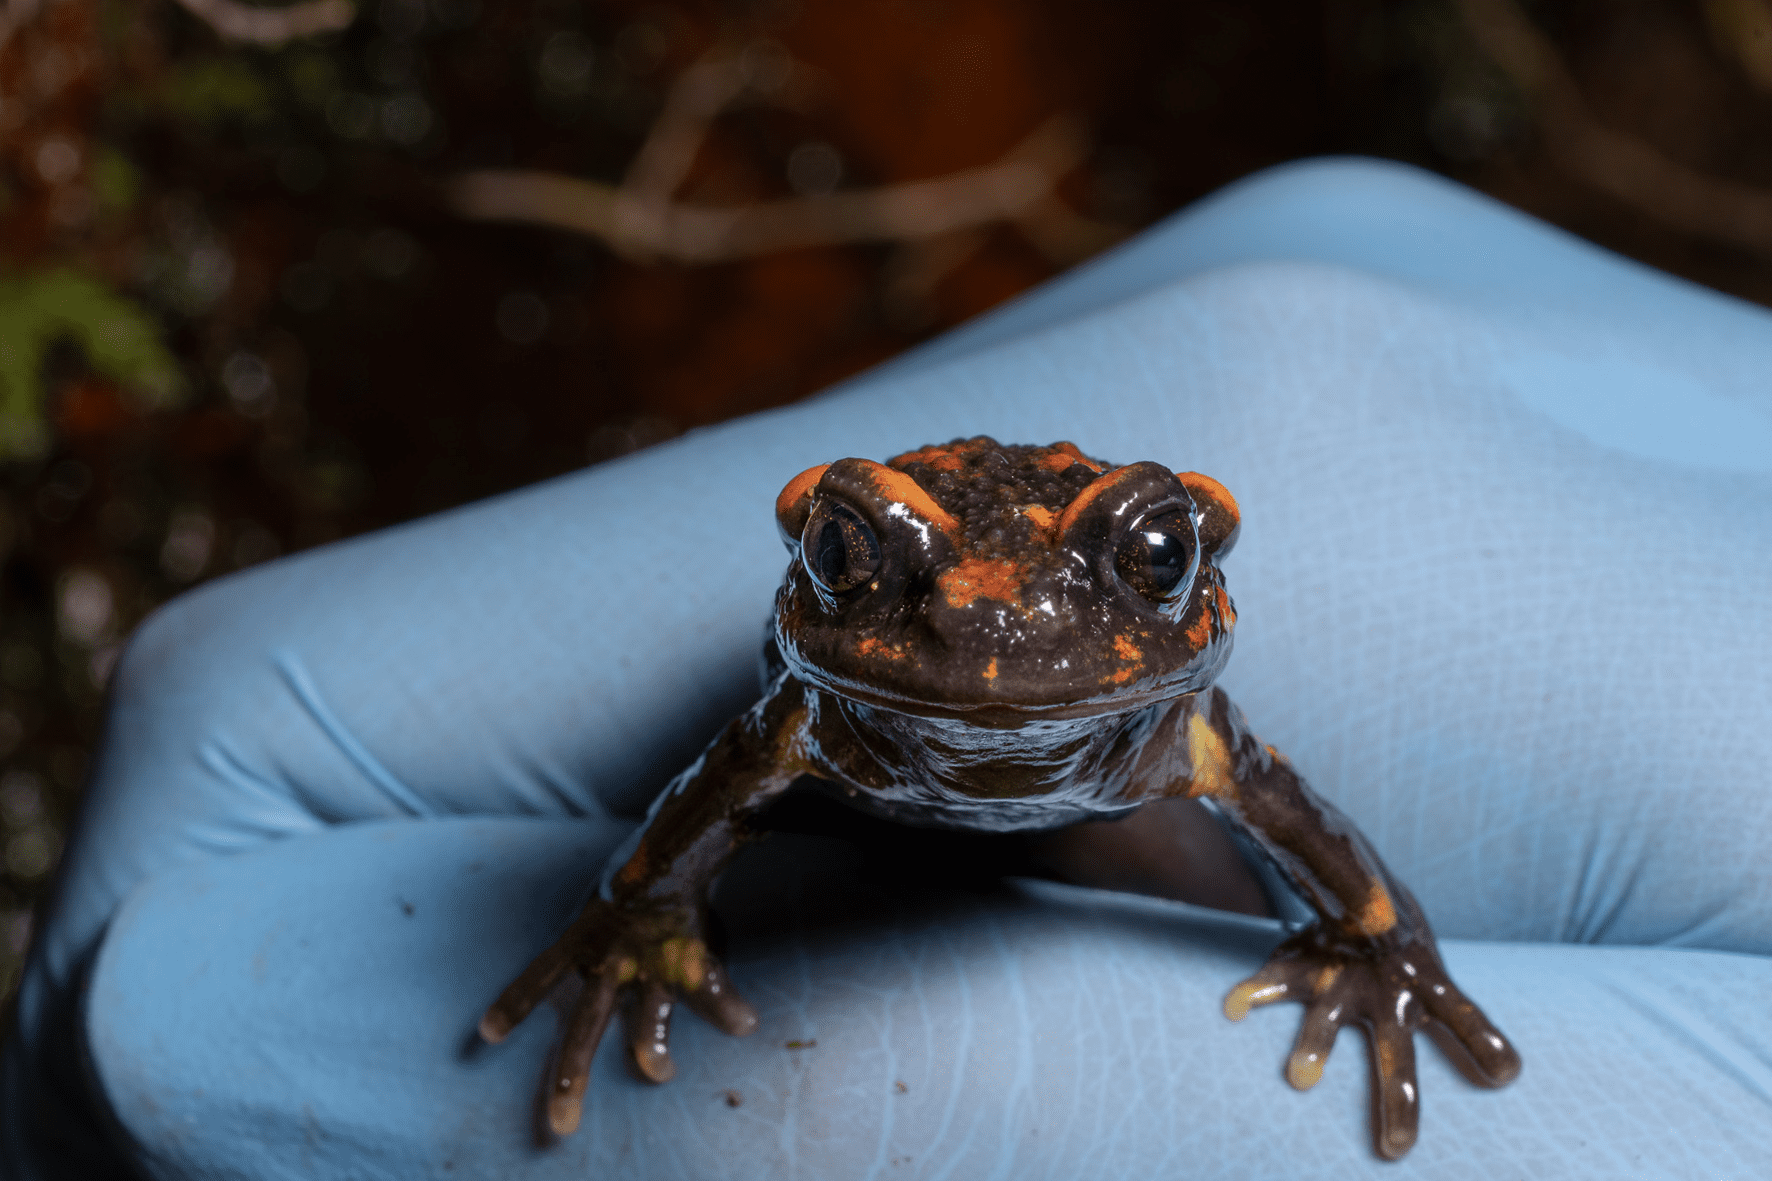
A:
1157, 555
841, 551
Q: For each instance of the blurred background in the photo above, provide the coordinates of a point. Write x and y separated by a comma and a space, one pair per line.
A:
271, 276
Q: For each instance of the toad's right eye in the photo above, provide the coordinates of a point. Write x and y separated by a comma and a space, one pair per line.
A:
840, 549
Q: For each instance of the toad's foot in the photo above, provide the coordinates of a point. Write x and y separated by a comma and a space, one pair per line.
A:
653, 957
1390, 992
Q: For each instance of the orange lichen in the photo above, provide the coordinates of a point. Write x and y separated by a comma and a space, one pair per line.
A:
1379, 914
799, 486
899, 487
1209, 761
982, 578
1093, 491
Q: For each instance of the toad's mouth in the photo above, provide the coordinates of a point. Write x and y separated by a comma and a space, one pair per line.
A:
1004, 712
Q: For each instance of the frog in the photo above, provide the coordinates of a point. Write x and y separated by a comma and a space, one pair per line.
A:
1006, 638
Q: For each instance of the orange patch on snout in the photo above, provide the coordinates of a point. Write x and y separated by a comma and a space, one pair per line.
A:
1379, 914
981, 578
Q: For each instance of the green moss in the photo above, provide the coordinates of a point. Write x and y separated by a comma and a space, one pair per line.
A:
119, 339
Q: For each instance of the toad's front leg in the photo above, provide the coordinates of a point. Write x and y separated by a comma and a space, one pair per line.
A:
1369, 960
645, 932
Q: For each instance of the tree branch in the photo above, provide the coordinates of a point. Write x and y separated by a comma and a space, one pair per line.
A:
271, 26
639, 219
1615, 163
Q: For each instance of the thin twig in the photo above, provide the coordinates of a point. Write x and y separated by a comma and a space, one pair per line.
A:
640, 219
271, 26
1612, 161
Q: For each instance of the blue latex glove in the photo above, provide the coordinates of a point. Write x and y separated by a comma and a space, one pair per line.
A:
1507, 540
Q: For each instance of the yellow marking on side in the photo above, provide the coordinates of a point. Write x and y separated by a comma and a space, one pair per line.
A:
1379, 914
1208, 760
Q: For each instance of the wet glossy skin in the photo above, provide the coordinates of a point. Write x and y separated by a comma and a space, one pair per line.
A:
982, 637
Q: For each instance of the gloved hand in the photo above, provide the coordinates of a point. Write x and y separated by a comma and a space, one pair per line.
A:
1507, 539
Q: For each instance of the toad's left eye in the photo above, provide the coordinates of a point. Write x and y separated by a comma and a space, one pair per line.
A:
1157, 555
841, 552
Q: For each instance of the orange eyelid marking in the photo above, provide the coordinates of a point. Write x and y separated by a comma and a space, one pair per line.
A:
943, 457
899, 487
800, 485
1096, 489
1063, 455
1205, 488
1379, 914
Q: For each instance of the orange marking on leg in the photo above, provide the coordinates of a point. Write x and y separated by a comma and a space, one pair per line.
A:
1379, 914
1209, 761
